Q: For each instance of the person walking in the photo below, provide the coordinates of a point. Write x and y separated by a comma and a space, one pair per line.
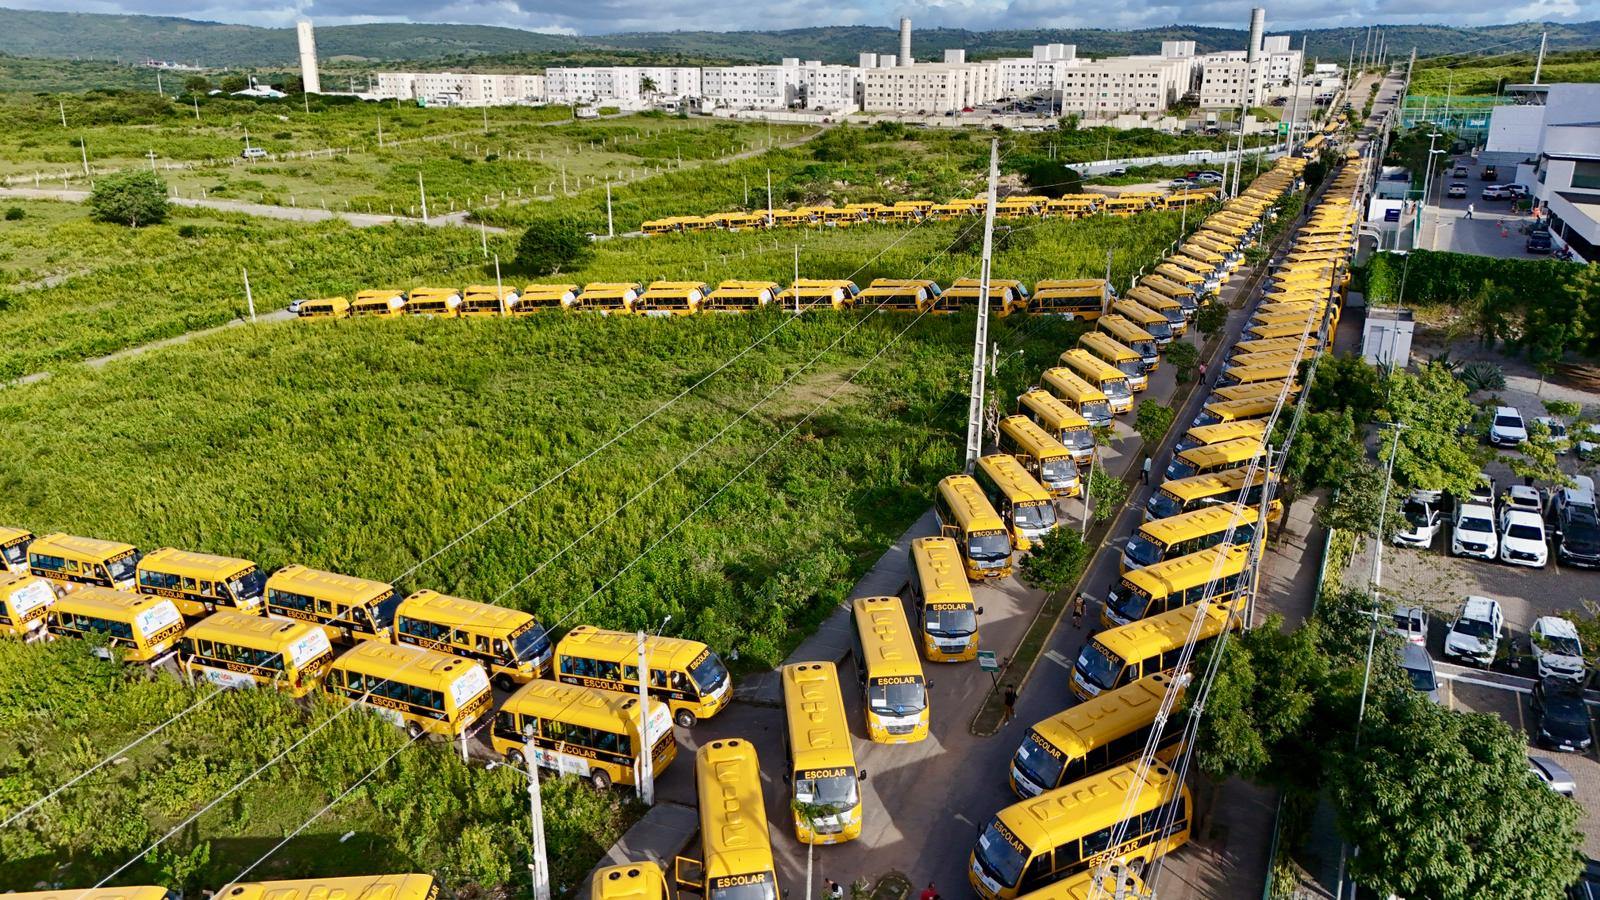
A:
832, 889
1469, 212
1010, 699
1078, 606
928, 893
1144, 472
1202, 374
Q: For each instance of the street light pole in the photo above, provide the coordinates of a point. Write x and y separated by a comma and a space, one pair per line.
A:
647, 775
541, 865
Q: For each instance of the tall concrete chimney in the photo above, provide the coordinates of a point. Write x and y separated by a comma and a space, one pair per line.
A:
309, 79
1258, 22
905, 42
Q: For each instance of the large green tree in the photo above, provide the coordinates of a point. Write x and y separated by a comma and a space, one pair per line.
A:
1056, 561
553, 244
130, 198
1259, 715
1360, 498
1436, 452
1442, 805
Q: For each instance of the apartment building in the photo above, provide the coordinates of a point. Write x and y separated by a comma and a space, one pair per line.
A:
750, 87
1124, 84
930, 87
627, 87
460, 88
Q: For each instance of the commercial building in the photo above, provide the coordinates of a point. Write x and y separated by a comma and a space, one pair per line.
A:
1551, 138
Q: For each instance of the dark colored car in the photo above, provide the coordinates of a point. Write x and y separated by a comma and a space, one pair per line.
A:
1539, 242
1561, 716
1578, 536
1489, 173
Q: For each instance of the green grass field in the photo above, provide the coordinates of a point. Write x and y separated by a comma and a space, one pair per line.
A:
1463, 77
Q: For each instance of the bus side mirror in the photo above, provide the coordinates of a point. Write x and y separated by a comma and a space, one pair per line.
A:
786, 778
980, 610
861, 775
928, 684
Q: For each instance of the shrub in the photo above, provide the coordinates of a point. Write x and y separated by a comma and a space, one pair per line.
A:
15, 213
1210, 318
1182, 357
1056, 561
1108, 493
1482, 376
555, 243
131, 198
1152, 421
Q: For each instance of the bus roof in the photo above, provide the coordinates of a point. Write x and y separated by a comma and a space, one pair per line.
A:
195, 565
968, 504
1264, 372
1163, 632
1069, 382
93, 600
380, 294
9, 536
1245, 348
1035, 440
1259, 389
1087, 806
260, 632
1229, 431
346, 589
733, 817
1149, 297
1048, 406
456, 612
675, 289
1210, 520
489, 291
1211, 483
1079, 729
1122, 329
360, 887
939, 568
1093, 884
142, 892
404, 663
603, 289
1012, 479
1073, 287
74, 547
620, 646
1085, 363
550, 292
885, 636
630, 881
744, 288
1137, 313
577, 705
1174, 576
1237, 452
819, 732
1266, 357
428, 293
1247, 408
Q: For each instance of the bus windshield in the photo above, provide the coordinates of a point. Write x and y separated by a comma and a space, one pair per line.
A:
1180, 468
1096, 410
1034, 515
1132, 368
1207, 417
383, 610
531, 644
124, 568
837, 791
896, 697
999, 858
751, 890
1162, 504
14, 555
709, 674
1129, 603
1041, 766
989, 547
1143, 551
1098, 666
957, 621
1058, 470
1116, 389
247, 588
1077, 438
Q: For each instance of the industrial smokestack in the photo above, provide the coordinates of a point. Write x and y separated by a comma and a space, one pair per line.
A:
309, 79
905, 42
1258, 21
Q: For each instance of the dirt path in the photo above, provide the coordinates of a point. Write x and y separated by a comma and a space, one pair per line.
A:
264, 210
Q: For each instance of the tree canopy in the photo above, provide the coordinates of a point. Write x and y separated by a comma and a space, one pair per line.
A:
1437, 449
550, 245
130, 198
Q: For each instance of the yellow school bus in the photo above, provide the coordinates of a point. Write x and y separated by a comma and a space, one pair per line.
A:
1076, 298
487, 300
1175, 291
234, 649
1083, 740
1045, 458
379, 304
609, 298
1271, 389
965, 514
812, 293
358, 887
543, 297
740, 296
71, 561
735, 843
422, 691
144, 628
1139, 649
1006, 295
325, 308
200, 583
14, 549
1290, 356
441, 303
1079, 395
1067, 831
1206, 435
1058, 420
1168, 308
684, 674
1124, 359
944, 603
1223, 572
111, 893
1134, 338
1213, 458
24, 600
1277, 371
510, 643
1237, 485
350, 609
894, 294
1145, 317
1097, 884
820, 766
1309, 326
630, 881
1028, 510
585, 732
1186, 533
895, 693
1217, 412
1110, 380
672, 298
1251, 348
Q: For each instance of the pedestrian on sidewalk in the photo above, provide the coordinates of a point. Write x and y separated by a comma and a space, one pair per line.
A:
1469, 212
833, 890
1144, 473
1078, 605
928, 893
1202, 374
1010, 699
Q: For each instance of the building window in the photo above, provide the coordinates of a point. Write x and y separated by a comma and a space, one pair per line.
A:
1585, 175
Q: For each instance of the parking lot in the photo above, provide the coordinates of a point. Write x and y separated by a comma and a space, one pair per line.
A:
1493, 230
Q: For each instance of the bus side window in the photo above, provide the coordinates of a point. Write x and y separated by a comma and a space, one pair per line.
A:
658, 678
1075, 770
1038, 872
607, 742
208, 589
324, 607
1169, 659
1097, 842
610, 671
190, 585
1130, 674
206, 649
680, 682
505, 722
1067, 855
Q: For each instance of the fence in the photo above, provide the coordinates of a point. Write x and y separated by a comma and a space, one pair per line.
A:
1193, 157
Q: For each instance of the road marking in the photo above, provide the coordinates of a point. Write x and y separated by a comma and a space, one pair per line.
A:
1058, 659
1467, 679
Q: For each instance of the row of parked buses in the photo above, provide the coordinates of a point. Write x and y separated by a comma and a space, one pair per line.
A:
1073, 298
902, 212
359, 887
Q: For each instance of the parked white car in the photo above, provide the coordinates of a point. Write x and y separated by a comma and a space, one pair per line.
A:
1522, 541
1411, 623
1524, 497
1557, 652
1474, 636
1558, 433
1589, 441
1474, 532
1483, 494
1422, 522
1507, 429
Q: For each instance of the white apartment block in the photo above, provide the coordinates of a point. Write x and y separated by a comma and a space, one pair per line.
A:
1124, 84
829, 88
628, 87
1230, 79
460, 88
930, 87
750, 87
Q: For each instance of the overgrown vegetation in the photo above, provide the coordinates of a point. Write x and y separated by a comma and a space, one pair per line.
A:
1465, 76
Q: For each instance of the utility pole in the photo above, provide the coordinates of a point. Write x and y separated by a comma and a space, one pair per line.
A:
499, 292
611, 230
746, 179
159, 91
980, 344
424, 195
194, 100
483, 236
249, 300
62, 105
795, 284
1538, 64
769, 201
83, 148
541, 866
647, 775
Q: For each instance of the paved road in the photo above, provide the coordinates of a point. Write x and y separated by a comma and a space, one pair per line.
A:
1493, 230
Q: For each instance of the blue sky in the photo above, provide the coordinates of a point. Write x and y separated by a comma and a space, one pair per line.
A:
600, 16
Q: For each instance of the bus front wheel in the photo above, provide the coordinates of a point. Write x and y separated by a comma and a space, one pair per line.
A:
514, 758
504, 682
413, 730
600, 780
684, 718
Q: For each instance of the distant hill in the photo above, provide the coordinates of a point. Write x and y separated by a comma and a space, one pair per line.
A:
132, 38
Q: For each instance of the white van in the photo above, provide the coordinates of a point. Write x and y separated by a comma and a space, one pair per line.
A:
254, 153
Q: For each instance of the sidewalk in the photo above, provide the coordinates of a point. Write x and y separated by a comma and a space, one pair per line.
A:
659, 837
